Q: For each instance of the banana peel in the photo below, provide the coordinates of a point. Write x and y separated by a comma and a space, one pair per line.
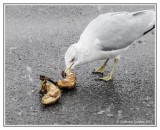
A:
69, 82
52, 90
52, 95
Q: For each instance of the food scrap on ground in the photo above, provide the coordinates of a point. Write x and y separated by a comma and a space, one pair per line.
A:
69, 81
52, 90
52, 95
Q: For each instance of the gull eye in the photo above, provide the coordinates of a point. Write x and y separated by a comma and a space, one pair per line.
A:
72, 60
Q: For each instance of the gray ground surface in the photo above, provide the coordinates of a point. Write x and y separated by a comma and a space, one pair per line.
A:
36, 38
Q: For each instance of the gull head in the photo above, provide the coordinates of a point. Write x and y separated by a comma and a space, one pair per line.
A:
74, 56
71, 57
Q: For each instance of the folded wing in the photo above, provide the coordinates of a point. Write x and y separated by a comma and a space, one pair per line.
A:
118, 30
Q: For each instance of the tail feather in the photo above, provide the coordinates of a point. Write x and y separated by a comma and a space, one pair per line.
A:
149, 30
148, 16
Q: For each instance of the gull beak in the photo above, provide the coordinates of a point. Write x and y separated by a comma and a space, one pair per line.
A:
67, 71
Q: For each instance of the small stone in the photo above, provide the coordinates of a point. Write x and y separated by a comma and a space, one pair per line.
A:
139, 41
148, 105
33, 91
32, 113
109, 114
101, 112
147, 98
19, 113
119, 111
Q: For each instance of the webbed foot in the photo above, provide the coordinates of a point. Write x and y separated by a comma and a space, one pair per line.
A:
107, 78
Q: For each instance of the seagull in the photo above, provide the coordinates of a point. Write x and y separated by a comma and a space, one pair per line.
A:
107, 37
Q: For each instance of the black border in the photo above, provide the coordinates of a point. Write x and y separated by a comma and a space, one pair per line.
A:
81, 125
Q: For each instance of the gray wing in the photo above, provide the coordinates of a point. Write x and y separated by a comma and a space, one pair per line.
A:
117, 30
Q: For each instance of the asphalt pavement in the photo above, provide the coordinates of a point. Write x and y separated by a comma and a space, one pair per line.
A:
36, 38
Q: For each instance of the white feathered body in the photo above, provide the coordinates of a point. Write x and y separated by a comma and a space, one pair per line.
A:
109, 35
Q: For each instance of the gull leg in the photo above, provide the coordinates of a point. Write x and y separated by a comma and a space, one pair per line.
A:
101, 69
110, 75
